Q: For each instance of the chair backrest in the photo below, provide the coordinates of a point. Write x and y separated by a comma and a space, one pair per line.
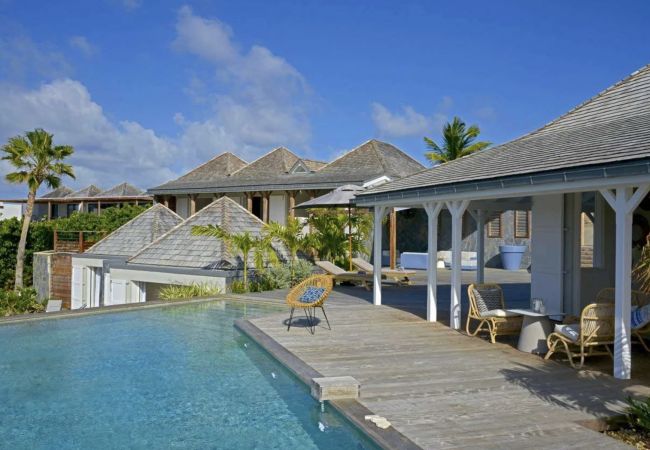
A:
330, 267
638, 298
318, 281
362, 264
484, 297
597, 324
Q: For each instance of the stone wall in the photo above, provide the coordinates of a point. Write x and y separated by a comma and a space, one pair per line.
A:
42, 270
53, 276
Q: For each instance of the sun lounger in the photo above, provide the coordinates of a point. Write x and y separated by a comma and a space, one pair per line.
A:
401, 277
340, 275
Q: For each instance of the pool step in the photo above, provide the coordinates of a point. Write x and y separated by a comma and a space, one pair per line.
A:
334, 388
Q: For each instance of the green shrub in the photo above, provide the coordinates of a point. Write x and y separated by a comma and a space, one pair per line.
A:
176, 292
19, 302
638, 414
238, 287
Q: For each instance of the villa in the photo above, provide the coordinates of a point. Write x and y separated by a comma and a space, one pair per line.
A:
63, 201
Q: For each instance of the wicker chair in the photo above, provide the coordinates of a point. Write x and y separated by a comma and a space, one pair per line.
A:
495, 321
294, 299
638, 299
596, 330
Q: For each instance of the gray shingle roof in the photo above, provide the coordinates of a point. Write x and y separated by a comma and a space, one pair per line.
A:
60, 192
88, 191
122, 190
370, 160
613, 126
179, 248
218, 167
140, 231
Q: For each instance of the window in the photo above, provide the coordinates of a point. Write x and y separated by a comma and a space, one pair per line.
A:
72, 208
494, 226
522, 224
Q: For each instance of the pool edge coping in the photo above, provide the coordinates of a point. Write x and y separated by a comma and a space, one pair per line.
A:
352, 410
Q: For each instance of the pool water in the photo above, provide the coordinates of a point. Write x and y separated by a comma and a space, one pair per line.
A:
174, 377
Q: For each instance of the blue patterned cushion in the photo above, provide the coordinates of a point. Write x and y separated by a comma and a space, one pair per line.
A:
640, 317
311, 294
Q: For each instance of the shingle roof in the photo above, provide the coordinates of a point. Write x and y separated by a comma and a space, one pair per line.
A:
122, 190
140, 231
218, 167
271, 172
277, 161
611, 127
88, 191
179, 248
59, 192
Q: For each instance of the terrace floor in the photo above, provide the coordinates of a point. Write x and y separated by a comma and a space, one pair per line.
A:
442, 389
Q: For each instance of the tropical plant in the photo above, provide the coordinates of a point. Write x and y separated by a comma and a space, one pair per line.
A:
36, 161
177, 292
638, 414
19, 301
458, 141
283, 276
329, 236
641, 270
291, 236
247, 245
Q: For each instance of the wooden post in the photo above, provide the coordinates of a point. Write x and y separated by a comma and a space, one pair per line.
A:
479, 218
623, 201
81, 242
56, 239
249, 202
392, 246
99, 208
192, 204
380, 211
433, 211
292, 203
49, 210
265, 206
457, 209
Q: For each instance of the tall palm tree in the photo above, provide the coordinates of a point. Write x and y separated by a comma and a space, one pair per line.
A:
291, 236
36, 161
458, 141
244, 243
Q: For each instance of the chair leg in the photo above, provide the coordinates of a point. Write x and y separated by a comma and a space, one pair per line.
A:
290, 319
309, 320
326, 319
642, 341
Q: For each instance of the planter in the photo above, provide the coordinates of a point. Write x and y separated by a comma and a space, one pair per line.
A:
511, 256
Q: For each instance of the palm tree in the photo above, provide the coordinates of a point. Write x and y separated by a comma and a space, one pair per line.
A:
244, 243
36, 161
457, 142
291, 236
328, 236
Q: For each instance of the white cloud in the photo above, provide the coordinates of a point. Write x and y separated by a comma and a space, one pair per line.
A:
106, 153
408, 122
267, 99
21, 57
82, 44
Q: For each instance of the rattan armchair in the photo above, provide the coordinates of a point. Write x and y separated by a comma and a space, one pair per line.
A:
295, 299
639, 299
495, 321
596, 331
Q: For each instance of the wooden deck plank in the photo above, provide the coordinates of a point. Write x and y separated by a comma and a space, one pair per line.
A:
442, 389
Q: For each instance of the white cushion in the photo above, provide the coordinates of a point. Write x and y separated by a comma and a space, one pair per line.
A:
572, 331
499, 313
640, 317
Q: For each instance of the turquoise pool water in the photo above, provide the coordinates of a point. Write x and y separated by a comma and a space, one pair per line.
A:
175, 377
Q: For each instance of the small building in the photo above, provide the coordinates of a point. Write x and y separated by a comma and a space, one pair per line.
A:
92, 284
63, 201
180, 258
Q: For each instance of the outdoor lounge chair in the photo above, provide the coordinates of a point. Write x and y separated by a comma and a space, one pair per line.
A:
401, 277
341, 275
309, 295
596, 329
487, 307
639, 299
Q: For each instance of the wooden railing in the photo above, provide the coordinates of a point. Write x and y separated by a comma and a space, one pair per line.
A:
76, 241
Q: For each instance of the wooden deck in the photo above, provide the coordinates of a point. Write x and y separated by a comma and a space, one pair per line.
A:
442, 389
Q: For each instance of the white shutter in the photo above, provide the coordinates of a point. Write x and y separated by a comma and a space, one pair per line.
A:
107, 289
118, 292
76, 292
96, 277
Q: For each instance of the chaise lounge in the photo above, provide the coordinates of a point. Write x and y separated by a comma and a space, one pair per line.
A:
401, 277
341, 275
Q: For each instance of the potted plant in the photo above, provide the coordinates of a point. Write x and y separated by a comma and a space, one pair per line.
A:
511, 256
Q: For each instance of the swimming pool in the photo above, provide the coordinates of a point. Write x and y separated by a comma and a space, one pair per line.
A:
172, 377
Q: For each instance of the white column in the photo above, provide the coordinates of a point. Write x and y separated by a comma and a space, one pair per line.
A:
623, 201
457, 209
380, 211
433, 211
479, 218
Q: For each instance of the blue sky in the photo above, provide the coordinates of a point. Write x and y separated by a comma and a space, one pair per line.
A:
145, 90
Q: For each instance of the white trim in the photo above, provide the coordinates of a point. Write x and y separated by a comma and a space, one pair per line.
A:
380, 212
433, 211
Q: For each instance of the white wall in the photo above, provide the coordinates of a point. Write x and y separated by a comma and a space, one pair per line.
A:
9, 210
547, 250
278, 209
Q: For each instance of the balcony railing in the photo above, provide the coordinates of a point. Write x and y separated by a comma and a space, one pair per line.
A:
76, 241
